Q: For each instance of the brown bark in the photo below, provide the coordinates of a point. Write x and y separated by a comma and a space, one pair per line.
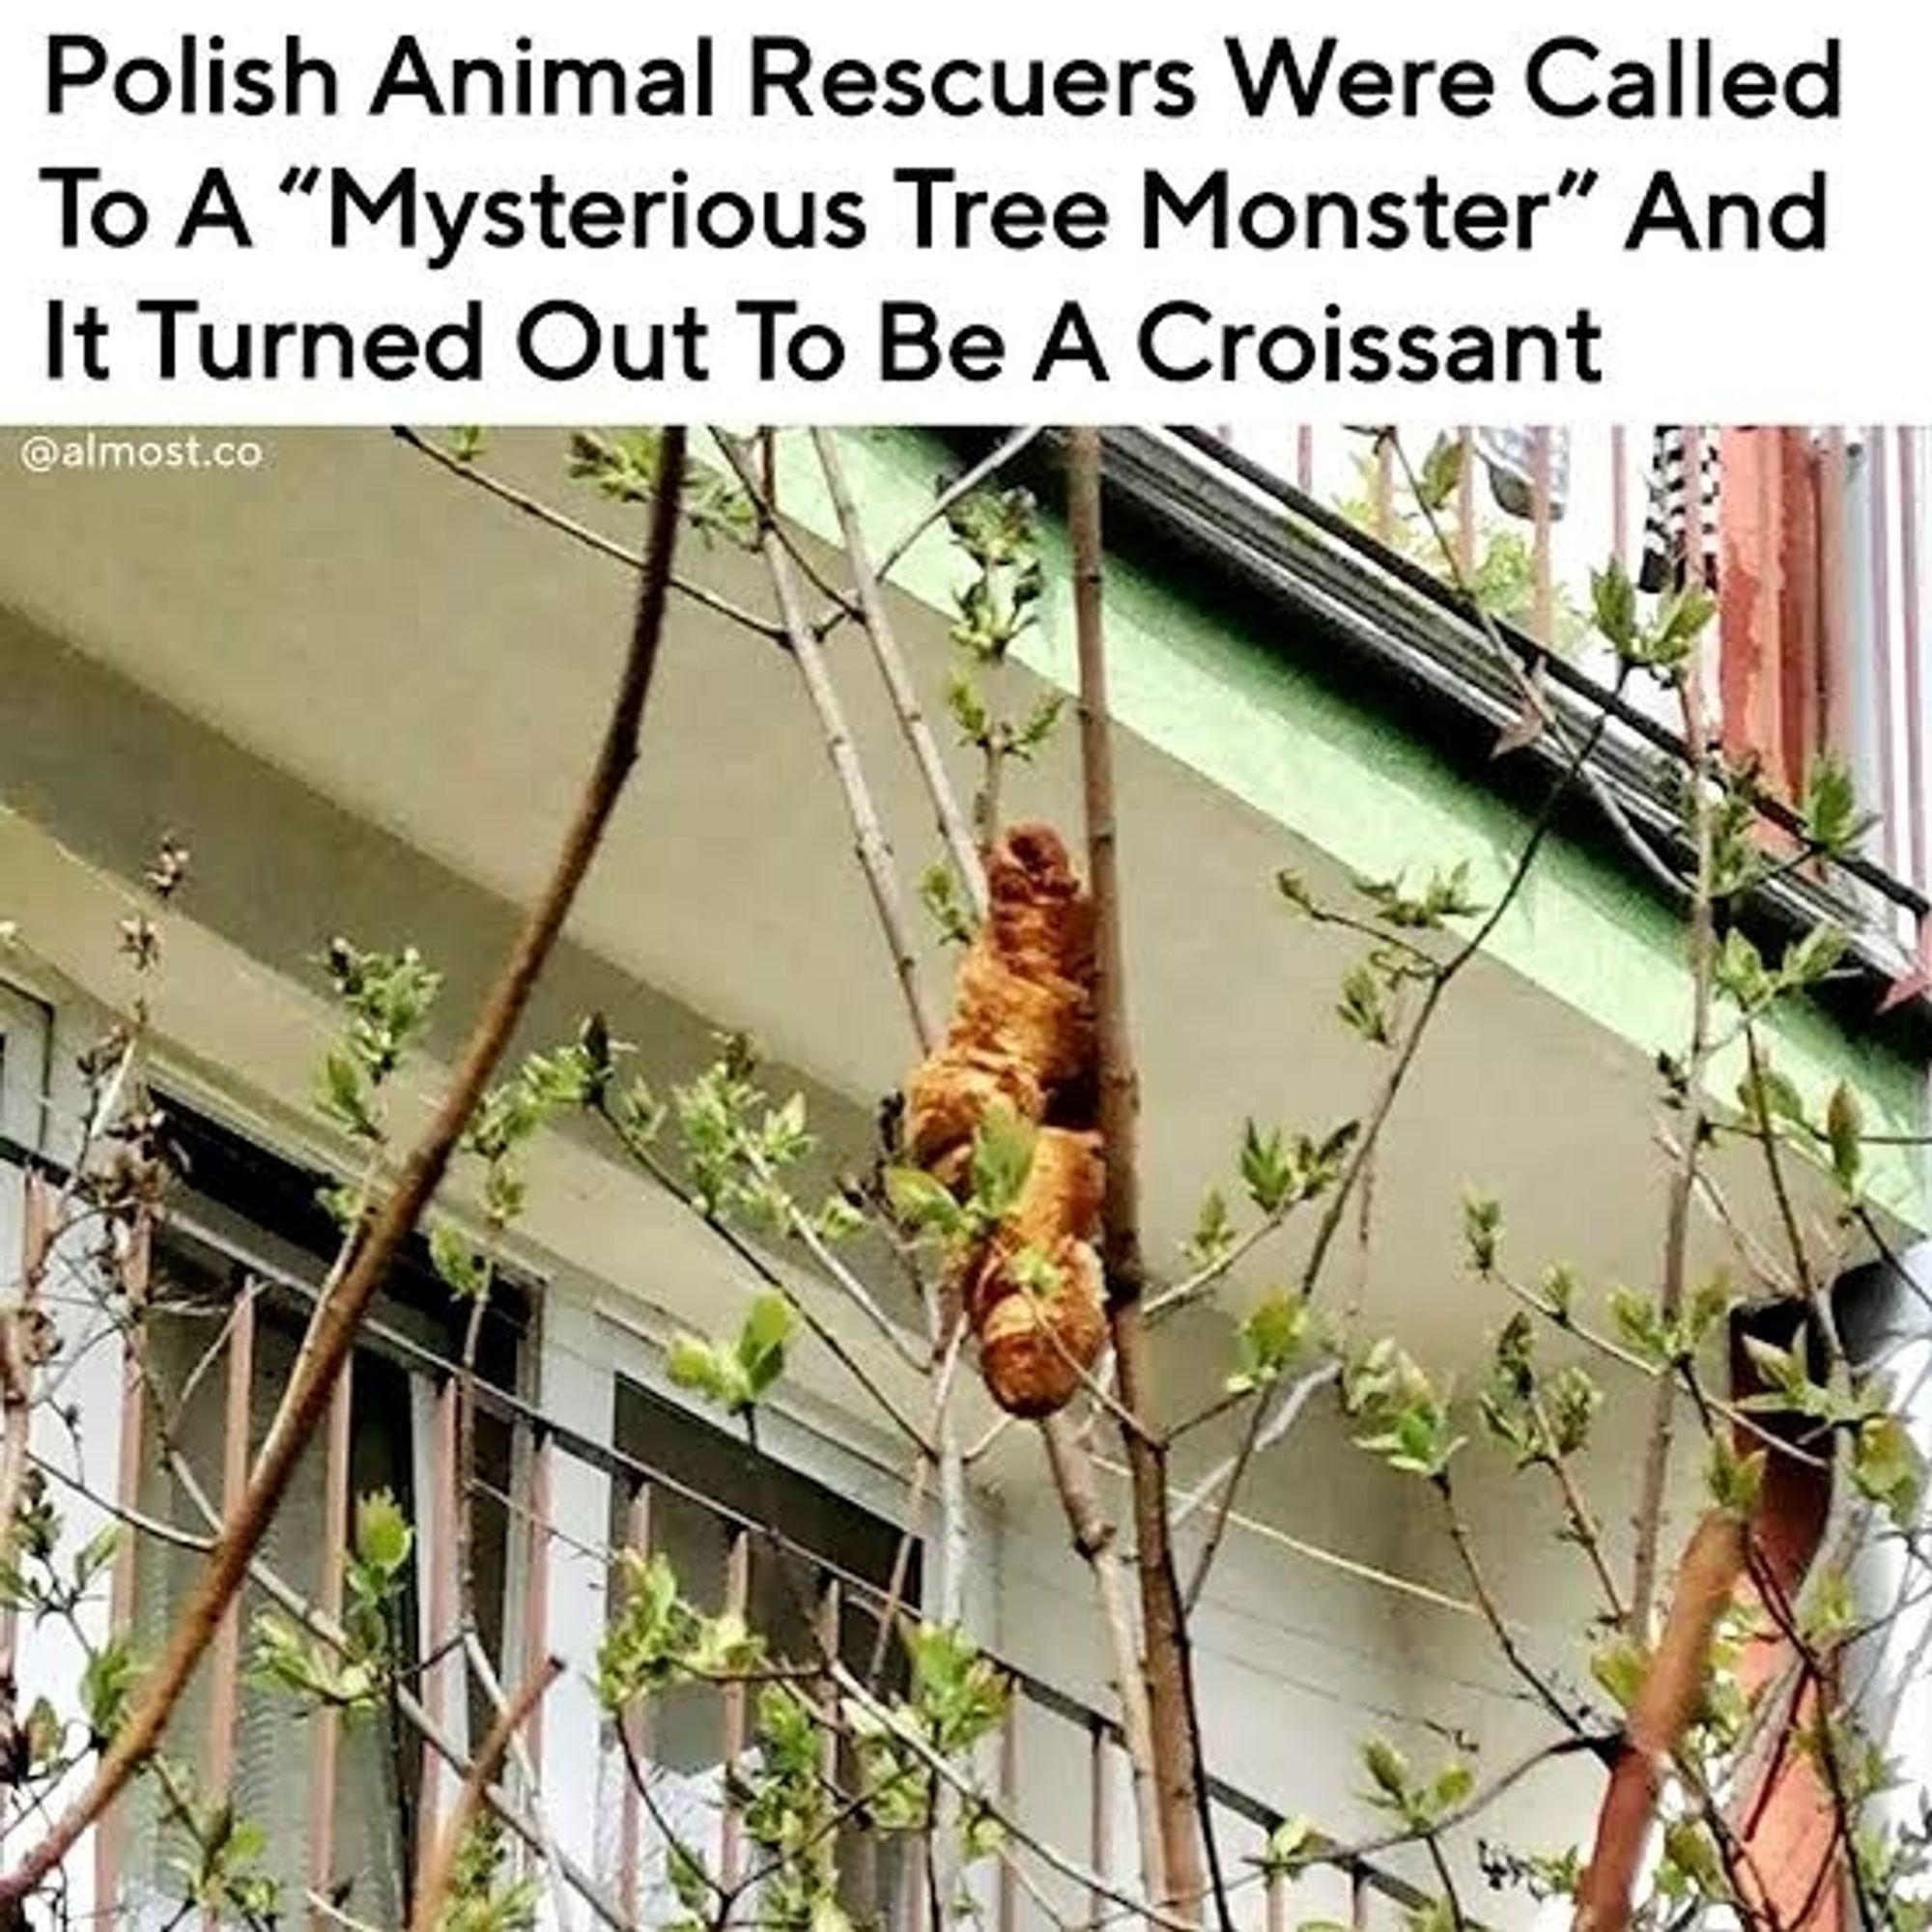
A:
1668, 1699
1163, 1616
476, 1781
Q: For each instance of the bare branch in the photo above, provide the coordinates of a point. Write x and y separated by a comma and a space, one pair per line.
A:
482, 1773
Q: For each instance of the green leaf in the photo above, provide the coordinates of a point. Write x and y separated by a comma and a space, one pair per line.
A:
1620, 1667
107, 1685
767, 1329
1832, 822
1741, 973
1364, 1007
1811, 961
1213, 1231
1453, 1783
384, 1538
1266, 1169
1001, 1159
1735, 1482
1293, 889
1388, 1768
923, 1204
1771, 1097
1889, 1468
1844, 1134
339, 1093
1269, 1340
458, 1264
1613, 605
1482, 1231
1286, 1843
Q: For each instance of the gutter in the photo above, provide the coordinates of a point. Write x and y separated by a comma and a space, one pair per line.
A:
1309, 585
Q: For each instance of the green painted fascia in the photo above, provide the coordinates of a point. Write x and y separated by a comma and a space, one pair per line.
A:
1349, 780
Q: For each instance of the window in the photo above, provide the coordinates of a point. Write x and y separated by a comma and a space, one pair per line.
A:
23, 1086
708, 1503
227, 1313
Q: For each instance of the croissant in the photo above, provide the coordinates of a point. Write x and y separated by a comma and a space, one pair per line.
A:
1022, 1037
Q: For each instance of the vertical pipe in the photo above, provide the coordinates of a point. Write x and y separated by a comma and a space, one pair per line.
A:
1304, 458
1275, 1902
1800, 667
1384, 490
1887, 803
226, 1660
1466, 501
441, 1620
536, 1586
1909, 591
1099, 1815
830, 1630
1009, 1782
737, 1599
325, 1735
636, 1720
1358, 1898
1836, 733
135, 1274
1541, 513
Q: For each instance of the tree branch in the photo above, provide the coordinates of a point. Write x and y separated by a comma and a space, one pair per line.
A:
1184, 1825
482, 1773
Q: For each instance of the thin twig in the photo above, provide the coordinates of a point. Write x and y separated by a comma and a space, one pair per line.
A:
874, 852
557, 520
482, 1773
1263, 1430
892, 663
1655, 1476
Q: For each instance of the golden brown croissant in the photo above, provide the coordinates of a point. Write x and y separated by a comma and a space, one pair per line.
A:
1022, 1037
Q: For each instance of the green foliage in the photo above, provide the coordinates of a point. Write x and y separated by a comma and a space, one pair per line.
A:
1280, 1173
1664, 645
997, 532
1502, 576
356, 1676
940, 895
1214, 1234
1405, 1419
1444, 894
738, 1376
622, 466
1420, 1802
1834, 828
223, 1869
1668, 1345
482, 1898
1735, 1480
1269, 1341
1289, 1847
1539, 1419
107, 1686
388, 998
1482, 1231
656, 1640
